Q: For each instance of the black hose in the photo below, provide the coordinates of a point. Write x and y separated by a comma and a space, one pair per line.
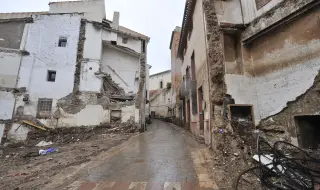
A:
292, 168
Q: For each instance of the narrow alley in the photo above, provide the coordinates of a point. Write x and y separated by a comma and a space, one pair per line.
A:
165, 157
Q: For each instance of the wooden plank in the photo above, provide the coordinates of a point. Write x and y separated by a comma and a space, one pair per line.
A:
34, 125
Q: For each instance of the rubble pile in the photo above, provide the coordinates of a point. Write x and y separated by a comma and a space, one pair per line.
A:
233, 153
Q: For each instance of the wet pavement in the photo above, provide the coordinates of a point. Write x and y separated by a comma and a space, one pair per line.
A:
165, 157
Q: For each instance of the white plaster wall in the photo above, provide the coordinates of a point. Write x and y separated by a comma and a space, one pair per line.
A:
7, 101
229, 11
89, 82
89, 116
1, 131
133, 44
127, 112
94, 10
17, 133
250, 11
154, 81
270, 93
42, 44
9, 68
125, 66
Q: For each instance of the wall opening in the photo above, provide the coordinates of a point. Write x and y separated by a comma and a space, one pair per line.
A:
62, 42
193, 67
201, 107
51, 76
44, 108
242, 119
161, 84
124, 40
308, 129
143, 46
115, 115
232, 54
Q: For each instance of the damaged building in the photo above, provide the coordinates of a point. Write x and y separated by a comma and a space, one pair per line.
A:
255, 61
70, 67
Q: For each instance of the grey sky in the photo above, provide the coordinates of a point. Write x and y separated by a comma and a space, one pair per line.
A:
155, 18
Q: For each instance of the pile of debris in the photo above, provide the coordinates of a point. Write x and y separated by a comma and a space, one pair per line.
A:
233, 151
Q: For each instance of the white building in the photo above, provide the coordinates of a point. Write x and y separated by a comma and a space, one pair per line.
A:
70, 67
161, 102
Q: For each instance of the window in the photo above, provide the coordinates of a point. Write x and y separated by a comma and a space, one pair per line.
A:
125, 40
161, 84
308, 131
242, 118
62, 42
114, 43
193, 67
44, 108
51, 77
143, 46
190, 29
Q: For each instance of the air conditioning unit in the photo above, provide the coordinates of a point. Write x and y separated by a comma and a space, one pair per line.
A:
26, 98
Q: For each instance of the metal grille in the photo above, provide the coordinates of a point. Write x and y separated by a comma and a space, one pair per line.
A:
44, 105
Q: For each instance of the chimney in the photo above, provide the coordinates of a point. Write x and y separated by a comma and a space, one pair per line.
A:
116, 17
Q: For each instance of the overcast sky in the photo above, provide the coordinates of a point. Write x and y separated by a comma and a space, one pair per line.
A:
154, 18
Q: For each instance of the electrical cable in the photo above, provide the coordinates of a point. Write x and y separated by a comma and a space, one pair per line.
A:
290, 167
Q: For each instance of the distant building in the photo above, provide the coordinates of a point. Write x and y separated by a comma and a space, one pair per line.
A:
70, 67
176, 77
161, 94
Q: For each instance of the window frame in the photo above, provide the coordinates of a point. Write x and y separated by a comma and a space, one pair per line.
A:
63, 41
49, 75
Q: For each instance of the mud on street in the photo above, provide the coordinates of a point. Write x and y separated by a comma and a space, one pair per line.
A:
21, 166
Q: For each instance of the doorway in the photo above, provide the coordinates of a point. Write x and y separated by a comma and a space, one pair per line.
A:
188, 114
308, 130
201, 112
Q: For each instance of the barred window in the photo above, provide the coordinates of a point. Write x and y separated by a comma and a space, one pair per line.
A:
44, 105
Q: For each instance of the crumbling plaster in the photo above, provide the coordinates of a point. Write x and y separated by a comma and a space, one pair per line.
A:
279, 67
276, 10
250, 11
229, 11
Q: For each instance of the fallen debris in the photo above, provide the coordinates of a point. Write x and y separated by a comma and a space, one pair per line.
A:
76, 145
44, 143
47, 151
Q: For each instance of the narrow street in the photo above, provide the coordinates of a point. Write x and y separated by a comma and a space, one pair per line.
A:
166, 157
